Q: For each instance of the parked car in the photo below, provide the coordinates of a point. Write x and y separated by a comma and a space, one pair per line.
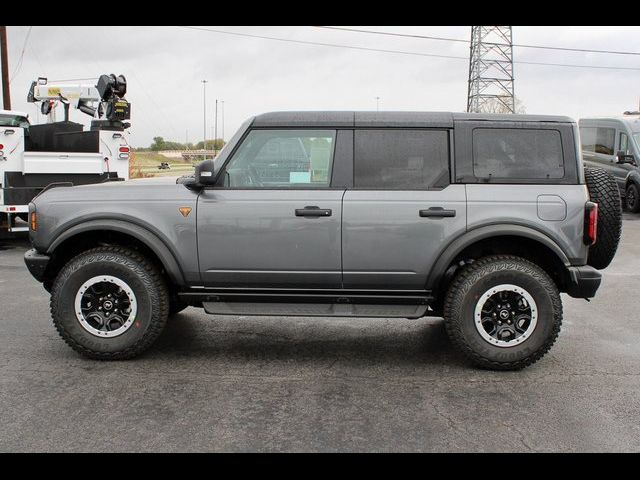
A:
612, 144
481, 219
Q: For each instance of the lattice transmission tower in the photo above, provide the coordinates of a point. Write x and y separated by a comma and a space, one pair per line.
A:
491, 70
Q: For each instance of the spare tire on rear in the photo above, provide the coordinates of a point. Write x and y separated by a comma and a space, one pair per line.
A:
603, 190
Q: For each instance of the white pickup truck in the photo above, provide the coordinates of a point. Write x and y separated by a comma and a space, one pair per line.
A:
34, 156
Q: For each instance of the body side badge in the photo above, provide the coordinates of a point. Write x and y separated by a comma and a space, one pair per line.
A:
185, 211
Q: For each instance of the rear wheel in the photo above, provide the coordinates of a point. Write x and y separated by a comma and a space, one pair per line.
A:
503, 312
109, 303
632, 198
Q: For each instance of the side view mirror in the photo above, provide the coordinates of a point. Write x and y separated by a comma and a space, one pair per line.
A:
205, 173
623, 158
188, 181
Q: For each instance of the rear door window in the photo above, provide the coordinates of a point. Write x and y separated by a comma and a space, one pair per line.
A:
401, 159
517, 153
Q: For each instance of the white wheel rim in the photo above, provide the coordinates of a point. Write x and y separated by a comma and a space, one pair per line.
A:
518, 320
115, 321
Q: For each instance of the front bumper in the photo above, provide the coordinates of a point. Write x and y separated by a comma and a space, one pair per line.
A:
583, 281
36, 263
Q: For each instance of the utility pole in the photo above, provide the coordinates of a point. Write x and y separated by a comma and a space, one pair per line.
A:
223, 123
204, 106
377, 104
215, 135
6, 95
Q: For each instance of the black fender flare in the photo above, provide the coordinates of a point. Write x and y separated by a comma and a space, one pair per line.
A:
632, 177
150, 239
497, 230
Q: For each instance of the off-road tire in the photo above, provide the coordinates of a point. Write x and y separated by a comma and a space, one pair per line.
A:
603, 190
144, 279
632, 198
478, 277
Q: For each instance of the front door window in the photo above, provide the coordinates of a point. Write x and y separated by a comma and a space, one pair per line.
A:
282, 159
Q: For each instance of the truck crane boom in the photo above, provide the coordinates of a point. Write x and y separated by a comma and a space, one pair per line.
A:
35, 156
102, 101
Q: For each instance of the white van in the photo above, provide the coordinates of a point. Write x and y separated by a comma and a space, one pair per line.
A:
613, 143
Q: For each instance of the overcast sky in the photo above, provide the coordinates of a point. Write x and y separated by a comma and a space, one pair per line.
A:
164, 67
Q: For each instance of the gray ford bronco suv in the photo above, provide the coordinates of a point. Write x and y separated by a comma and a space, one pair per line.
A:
481, 219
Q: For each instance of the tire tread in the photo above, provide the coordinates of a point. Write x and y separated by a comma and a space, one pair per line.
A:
155, 284
603, 190
475, 271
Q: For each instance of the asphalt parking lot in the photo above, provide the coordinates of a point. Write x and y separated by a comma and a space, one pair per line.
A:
301, 384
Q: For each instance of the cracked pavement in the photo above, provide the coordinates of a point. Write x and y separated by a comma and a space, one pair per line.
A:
306, 384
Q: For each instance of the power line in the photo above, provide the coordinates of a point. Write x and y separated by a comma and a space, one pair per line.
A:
461, 40
321, 44
392, 34
401, 52
24, 46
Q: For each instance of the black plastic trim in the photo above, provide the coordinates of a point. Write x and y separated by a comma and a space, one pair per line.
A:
381, 297
459, 244
36, 263
147, 237
584, 281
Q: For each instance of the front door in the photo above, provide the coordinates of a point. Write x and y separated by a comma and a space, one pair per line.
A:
621, 170
274, 221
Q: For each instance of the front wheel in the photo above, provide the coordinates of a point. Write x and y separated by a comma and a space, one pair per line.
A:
503, 312
632, 198
109, 303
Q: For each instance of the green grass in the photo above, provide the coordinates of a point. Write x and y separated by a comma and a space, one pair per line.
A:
148, 163
153, 159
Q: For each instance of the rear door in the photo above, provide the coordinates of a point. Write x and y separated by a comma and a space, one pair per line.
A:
11, 148
11, 155
402, 208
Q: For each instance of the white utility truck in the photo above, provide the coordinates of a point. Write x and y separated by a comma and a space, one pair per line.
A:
35, 156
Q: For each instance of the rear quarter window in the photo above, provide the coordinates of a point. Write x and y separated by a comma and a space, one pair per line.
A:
517, 153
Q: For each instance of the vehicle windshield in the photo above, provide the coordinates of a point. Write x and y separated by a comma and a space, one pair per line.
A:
13, 121
636, 138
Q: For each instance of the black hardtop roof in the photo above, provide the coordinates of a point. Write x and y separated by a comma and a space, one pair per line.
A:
389, 119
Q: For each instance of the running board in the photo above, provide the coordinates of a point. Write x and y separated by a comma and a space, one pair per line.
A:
315, 309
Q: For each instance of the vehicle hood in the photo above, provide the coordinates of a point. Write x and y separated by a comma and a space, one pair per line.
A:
148, 189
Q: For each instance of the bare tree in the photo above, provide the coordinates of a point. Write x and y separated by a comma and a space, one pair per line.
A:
494, 105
